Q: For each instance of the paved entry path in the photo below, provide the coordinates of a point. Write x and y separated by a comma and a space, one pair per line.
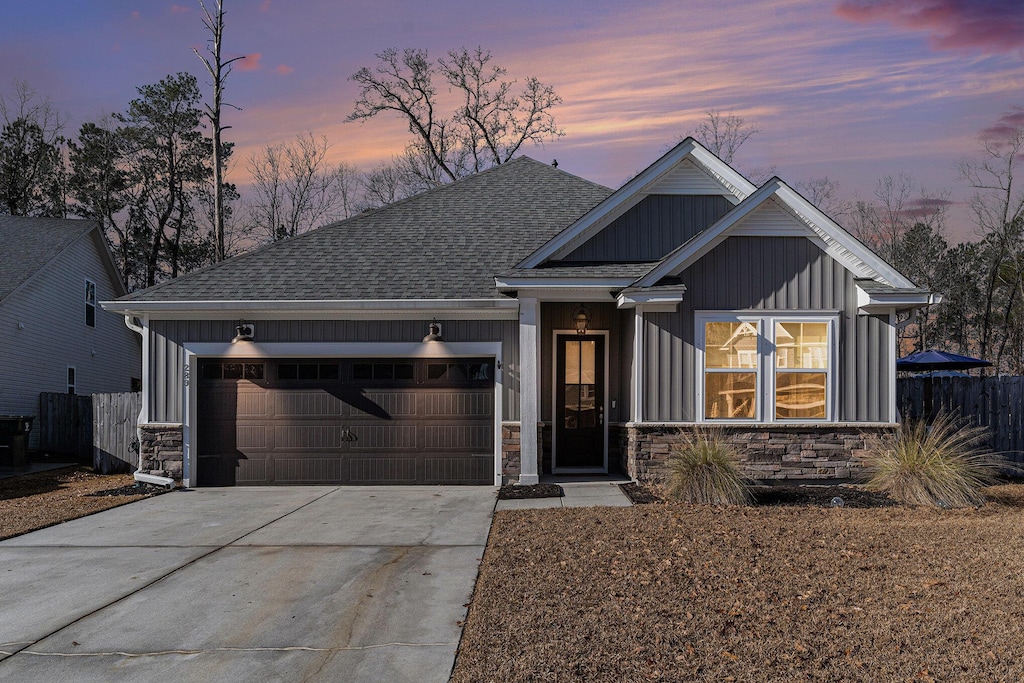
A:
247, 584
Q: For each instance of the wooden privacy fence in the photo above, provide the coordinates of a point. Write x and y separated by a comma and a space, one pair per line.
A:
65, 425
996, 403
100, 428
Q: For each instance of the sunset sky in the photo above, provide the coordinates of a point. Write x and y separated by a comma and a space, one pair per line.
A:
851, 89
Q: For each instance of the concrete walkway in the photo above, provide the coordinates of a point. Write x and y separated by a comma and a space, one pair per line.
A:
580, 491
247, 584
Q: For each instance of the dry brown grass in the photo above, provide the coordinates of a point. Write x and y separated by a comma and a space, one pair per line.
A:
39, 500
676, 592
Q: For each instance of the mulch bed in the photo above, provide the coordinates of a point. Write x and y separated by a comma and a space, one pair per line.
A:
799, 592
36, 501
517, 492
807, 495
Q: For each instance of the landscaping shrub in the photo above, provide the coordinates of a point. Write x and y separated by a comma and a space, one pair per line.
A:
705, 468
938, 464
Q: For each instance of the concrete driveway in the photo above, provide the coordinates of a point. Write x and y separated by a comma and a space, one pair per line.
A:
247, 584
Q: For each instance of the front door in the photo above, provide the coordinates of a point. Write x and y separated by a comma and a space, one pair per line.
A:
579, 401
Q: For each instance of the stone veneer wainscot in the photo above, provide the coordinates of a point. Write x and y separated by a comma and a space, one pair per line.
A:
790, 451
161, 452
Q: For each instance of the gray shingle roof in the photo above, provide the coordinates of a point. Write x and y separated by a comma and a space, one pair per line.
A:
576, 269
27, 244
447, 243
875, 287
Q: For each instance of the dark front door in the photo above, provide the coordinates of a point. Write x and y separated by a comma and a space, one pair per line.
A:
579, 401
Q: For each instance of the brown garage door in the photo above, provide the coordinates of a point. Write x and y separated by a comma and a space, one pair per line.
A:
345, 421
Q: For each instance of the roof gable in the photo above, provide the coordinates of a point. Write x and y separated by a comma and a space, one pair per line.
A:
688, 168
28, 244
775, 209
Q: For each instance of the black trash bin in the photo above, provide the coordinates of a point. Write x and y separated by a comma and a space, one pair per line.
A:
14, 431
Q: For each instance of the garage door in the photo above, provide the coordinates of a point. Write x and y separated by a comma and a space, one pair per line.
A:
345, 421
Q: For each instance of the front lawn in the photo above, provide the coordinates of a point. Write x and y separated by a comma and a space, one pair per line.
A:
674, 592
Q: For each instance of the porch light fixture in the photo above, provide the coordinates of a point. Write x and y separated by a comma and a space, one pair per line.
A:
434, 332
581, 317
244, 332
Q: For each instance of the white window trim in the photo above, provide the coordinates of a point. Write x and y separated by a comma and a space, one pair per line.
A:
765, 382
94, 303
71, 387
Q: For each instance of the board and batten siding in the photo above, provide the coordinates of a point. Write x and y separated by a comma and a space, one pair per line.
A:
167, 357
767, 273
655, 226
43, 331
603, 317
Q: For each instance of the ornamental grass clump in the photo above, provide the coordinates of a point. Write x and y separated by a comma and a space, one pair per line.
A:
705, 469
935, 465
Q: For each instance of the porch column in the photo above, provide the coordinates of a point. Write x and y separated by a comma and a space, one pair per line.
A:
637, 371
529, 388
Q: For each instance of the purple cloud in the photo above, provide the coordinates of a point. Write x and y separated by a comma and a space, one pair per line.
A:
987, 25
925, 206
1006, 126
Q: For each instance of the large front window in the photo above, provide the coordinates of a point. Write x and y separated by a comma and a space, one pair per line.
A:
765, 367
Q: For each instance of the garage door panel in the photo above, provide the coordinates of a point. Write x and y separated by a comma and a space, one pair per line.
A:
383, 437
383, 470
308, 470
459, 436
252, 472
251, 437
304, 436
473, 404
457, 469
314, 403
393, 404
344, 421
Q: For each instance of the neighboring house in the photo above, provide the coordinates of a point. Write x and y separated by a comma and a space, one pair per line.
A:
54, 337
701, 299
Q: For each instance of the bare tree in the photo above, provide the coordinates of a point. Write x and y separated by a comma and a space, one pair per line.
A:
998, 207
823, 192
488, 126
219, 71
724, 134
296, 189
33, 171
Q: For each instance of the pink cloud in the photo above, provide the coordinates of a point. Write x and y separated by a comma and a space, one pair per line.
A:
989, 26
1006, 126
265, 5
250, 63
178, 9
283, 70
136, 14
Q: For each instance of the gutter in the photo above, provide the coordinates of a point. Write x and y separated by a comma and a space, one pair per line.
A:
140, 476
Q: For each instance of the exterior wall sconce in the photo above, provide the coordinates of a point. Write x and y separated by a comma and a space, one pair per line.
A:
244, 332
433, 333
581, 317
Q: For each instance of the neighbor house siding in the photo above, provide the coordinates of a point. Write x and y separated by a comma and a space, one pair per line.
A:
767, 273
653, 228
51, 307
168, 336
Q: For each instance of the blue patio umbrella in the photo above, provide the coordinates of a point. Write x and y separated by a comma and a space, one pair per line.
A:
931, 360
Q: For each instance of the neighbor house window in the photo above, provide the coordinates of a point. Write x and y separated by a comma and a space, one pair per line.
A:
71, 380
90, 303
765, 368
